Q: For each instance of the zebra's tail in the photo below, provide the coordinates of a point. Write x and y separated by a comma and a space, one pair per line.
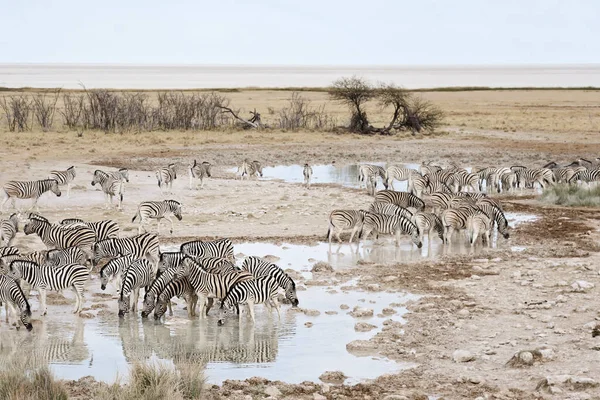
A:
136, 214
328, 233
158, 177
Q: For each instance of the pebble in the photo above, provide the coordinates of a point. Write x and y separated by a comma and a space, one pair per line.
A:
344, 306
461, 356
308, 324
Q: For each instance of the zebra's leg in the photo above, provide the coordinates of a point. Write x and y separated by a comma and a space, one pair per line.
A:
251, 309
209, 304
136, 295
352, 234
13, 319
171, 222
42, 296
275, 305
338, 235
78, 289
6, 198
191, 185
203, 300
6, 310
170, 306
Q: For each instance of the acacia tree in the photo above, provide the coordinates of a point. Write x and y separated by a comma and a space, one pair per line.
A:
354, 92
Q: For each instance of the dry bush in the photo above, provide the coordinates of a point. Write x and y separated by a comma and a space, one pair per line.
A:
72, 110
23, 380
44, 108
17, 110
299, 114
196, 111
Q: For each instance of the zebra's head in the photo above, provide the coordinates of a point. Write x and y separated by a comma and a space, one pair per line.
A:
227, 308
123, 305
160, 309
290, 293
175, 208
14, 271
415, 236
72, 170
104, 277
26, 318
173, 168
149, 304
184, 268
54, 187
124, 173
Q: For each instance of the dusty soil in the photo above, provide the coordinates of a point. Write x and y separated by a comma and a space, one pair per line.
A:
542, 301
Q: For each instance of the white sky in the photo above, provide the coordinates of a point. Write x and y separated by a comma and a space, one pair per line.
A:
300, 32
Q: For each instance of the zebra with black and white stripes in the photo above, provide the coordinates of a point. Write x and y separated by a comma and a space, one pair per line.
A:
28, 190
367, 171
307, 173
527, 177
9, 251
390, 225
401, 199
428, 222
259, 268
254, 291
110, 186
341, 220
250, 168
8, 229
217, 265
418, 185
154, 290
208, 285
44, 278
390, 209
496, 215
139, 274
105, 229
397, 173
199, 171
158, 210
479, 224
69, 255
12, 295
455, 219
115, 269
222, 248
165, 177
64, 178
462, 181
427, 168
181, 288
144, 245
588, 176
59, 237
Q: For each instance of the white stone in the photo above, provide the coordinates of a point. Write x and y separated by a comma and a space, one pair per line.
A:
461, 356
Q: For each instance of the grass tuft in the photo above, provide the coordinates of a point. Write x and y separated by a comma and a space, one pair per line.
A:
572, 195
22, 380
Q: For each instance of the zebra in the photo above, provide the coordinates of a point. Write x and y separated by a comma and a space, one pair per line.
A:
45, 278
372, 185
397, 173
418, 184
460, 181
222, 248
8, 229
155, 288
217, 265
59, 237
169, 259
250, 168
479, 223
508, 181
144, 245
390, 209
64, 178
307, 172
8, 251
166, 176
111, 187
157, 210
199, 171
208, 285
140, 273
341, 220
587, 176
401, 199
105, 229
259, 268
69, 255
439, 187
390, 224
427, 168
366, 171
494, 212
441, 176
250, 292
121, 173
12, 295
28, 190
455, 219
472, 195
529, 177
564, 174
428, 222
177, 287
114, 269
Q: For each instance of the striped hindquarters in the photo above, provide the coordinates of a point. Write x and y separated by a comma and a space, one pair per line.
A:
63, 177
401, 199
222, 248
390, 209
346, 219
31, 189
8, 229
105, 229
144, 245
259, 290
158, 210
69, 255
391, 225
166, 175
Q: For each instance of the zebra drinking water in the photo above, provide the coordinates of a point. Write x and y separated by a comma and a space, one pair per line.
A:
140, 273
64, 178
115, 269
12, 295
157, 210
177, 287
28, 190
250, 292
259, 268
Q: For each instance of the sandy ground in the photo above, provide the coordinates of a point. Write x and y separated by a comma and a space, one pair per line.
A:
482, 310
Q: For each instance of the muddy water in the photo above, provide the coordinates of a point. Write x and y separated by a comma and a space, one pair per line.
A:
104, 346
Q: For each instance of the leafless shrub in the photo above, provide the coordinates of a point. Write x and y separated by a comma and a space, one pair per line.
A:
44, 108
17, 110
300, 115
196, 111
72, 110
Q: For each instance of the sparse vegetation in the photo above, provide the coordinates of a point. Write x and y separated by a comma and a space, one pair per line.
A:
23, 380
300, 114
572, 195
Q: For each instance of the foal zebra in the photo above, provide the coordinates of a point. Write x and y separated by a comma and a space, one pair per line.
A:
64, 178
45, 278
12, 295
199, 171
144, 245
157, 210
105, 229
250, 292
341, 220
8, 229
28, 190
250, 168
401, 199
166, 176
259, 268
392, 225
222, 248
307, 172
111, 187
140, 273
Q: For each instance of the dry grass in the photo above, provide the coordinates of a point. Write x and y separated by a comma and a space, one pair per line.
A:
23, 380
572, 195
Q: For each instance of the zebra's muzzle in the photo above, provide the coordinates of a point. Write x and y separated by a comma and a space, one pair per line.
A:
29, 327
121, 314
179, 217
221, 322
144, 314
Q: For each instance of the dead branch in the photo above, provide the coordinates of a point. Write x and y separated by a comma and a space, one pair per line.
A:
254, 122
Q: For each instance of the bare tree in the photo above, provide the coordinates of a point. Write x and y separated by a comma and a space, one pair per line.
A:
44, 107
389, 95
72, 109
17, 110
354, 92
300, 115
